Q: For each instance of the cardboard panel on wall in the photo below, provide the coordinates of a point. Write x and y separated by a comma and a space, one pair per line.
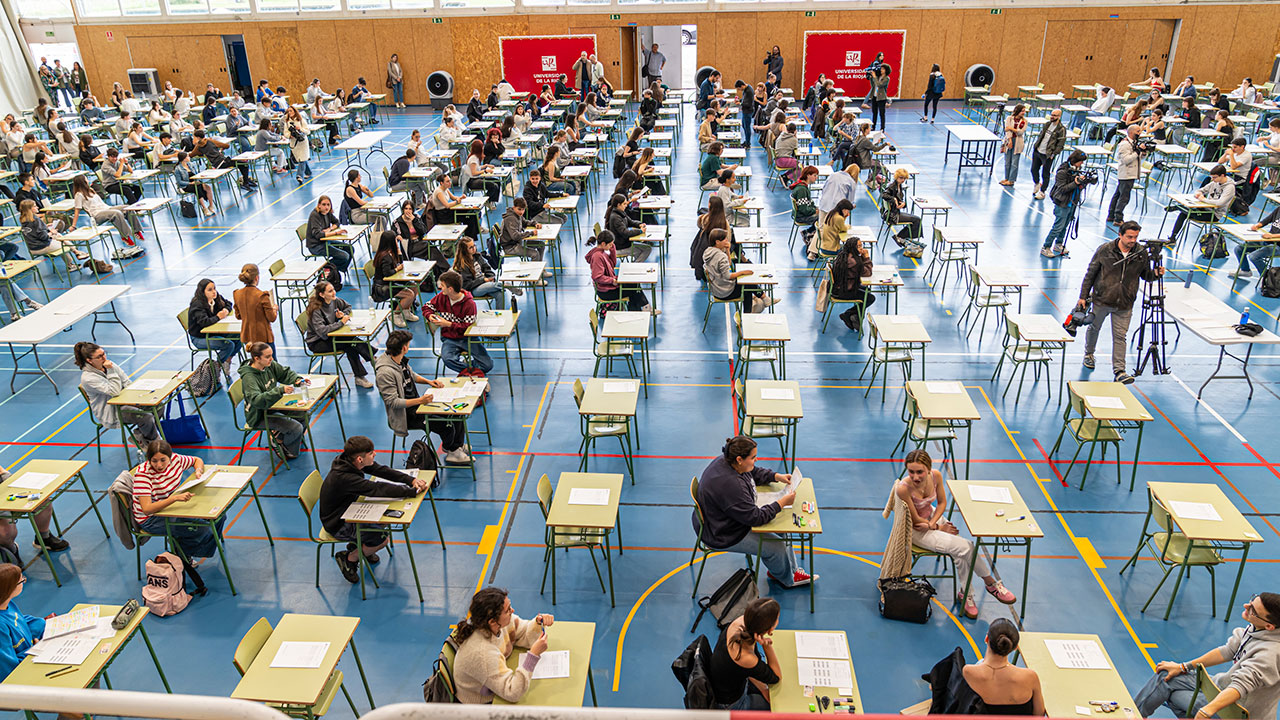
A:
528, 63
844, 55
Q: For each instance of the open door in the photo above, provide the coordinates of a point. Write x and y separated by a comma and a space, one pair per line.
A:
628, 57
238, 73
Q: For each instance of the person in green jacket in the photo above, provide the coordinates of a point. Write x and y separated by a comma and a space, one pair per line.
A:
806, 212
264, 381
712, 166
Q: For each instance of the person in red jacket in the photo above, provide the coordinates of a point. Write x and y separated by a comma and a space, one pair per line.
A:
453, 311
603, 259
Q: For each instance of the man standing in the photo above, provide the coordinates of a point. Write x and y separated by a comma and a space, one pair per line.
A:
597, 73
1052, 137
582, 74
63, 76
1130, 167
654, 61
1066, 188
1252, 681
1111, 284
748, 104
707, 90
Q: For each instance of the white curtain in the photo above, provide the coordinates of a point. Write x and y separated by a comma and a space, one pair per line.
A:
22, 85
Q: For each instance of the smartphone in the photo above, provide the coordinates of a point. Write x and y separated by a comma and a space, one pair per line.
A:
394, 513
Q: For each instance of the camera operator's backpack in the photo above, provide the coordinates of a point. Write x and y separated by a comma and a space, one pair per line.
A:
1213, 246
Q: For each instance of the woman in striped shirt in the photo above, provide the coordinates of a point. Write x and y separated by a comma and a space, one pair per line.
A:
154, 483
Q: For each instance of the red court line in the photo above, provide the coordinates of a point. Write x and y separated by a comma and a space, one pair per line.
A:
1052, 467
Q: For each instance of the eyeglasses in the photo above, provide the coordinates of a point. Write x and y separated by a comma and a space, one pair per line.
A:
1248, 608
22, 579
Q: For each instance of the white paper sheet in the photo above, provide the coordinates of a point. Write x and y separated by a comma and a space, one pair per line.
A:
589, 496
472, 388
1104, 401
823, 673
902, 319
770, 319
444, 395
67, 650
944, 388
630, 318
148, 384
822, 645
417, 267
71, 622
307, 655
194, 482
1194, 510
619, 386
777, 394
1077, 654
33, 481
233, 480
552, 664
990, 494
364, 512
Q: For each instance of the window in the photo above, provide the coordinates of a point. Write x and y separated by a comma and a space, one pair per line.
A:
187, 7
319, 5
546, 2
476, 3
113, 8
412, 4
277, 5
368, 4
229, 6
44, 8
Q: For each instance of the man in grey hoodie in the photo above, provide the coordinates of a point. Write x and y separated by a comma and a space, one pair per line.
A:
398, 385
1252, 681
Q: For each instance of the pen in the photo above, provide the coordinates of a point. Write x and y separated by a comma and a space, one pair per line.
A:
1020, 517
59, 671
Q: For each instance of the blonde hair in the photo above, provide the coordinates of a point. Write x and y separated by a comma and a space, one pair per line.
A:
27, 211
901, 174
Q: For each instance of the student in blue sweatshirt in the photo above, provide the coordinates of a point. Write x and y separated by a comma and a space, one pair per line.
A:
18, 631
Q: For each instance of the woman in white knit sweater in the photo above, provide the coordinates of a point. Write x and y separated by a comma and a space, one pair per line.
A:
485, 639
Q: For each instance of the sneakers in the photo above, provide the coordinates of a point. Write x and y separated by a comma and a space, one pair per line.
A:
800, 579
516, 292
54, 543
924, 119
363, 382
970, 607
350, 570
1242, 274
457, 457
900, 240
1061, 251
1089, 361
408, 315
1124, 378
847, 317
32, 304
1046, 252
1001, 593
397, 319
1039, 195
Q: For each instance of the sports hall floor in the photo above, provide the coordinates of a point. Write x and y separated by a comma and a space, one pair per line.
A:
493, 527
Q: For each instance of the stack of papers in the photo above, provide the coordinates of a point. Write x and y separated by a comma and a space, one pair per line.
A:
589, 496
1077, 654
71, 622
230, 480
473, 388
364, 512
552, 664
444, 395
813, 672
821, 645
148, 384
619, 386
777, 394
944, 388
990, 494
1104, 401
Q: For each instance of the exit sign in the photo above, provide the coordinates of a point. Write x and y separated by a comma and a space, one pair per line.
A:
48, 33
996, 11
436, 21
810, 13
615, 17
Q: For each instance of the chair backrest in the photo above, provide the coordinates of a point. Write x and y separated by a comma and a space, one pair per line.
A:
1075, 403
693, 493
303, 323
937, 237
88, 405
309, 493
183, 321
544, 495
301, 230
275, 267
1205, 684
1161, 515
578, 391
1011, 327
250, 645
595, 229
235, 394
368, 271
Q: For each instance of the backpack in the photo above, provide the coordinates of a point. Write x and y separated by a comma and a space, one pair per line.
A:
1213, 246
329, 273
422, 456
439, 687
729, 600
1270, 283
692, 671
906, 599
187, 208
619, 164
206, 380
165, 592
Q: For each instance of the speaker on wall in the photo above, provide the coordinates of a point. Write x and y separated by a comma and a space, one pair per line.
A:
440, 89
979, 75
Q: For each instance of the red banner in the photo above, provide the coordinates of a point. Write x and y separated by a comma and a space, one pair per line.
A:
844, 55
528, 63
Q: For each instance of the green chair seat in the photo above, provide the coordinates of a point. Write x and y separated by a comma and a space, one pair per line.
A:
757, 427
1028, 353
613, 348
886, 354
922, 430
325, 537
1176, 551
606, 426
1090, 429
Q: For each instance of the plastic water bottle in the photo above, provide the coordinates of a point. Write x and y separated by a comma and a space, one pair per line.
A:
1244, 317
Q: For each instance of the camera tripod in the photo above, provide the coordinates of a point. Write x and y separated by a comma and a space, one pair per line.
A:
1153, 319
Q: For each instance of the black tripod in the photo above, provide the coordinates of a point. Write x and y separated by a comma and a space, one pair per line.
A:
1153, 318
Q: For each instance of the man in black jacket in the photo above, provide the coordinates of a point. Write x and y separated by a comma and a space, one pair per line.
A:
535, 196
1111, 283
344, 484
1064, 194
748, 106
727, 499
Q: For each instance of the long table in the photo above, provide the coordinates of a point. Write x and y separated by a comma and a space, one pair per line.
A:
976, 147
60, 314
1211, 320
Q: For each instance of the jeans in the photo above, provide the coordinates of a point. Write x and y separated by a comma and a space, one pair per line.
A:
452, 434
931, 98
1260, 253
1119, 332
1120, 199
748, 701
877, 111
562, 187
746, 129
18, 295
773, 552
196, 541
1041, 170
493, 290
451, 350
277, 157
1174, 693
397, 92
126, 224
141, 423
225, 348
290, 430
1011, 159
1062, 215
303, 167
10, 251
339, 253
636, 299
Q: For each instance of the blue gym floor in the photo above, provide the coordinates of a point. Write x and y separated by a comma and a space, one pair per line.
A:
494, 530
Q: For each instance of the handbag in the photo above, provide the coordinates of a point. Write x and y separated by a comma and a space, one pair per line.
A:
906, 599
824, 294
187, 208
183, 428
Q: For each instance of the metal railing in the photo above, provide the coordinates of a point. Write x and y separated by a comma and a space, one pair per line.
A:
127, 703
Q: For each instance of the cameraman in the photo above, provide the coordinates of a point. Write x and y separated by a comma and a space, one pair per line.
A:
1111, 283
1067, 182
1129, 159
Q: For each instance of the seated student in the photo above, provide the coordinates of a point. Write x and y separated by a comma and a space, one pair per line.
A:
360, 93
9, 537
442, 203
848, 267
707, 131
398, 385
603, 259
166, 151
137, 142
743, 663
410, 232
493, 145
521, 120
91, 203
103, 380
207, 308
1261, 253
475, 107
344, 484
43, 240
472, 176
806, 210
322, 233
550, 172
726, 495
1271, 158
894, 200
210, 148
728, 194
90, 113
256, 309
155, 485
834, 228
264, 91
449, 130
115, 168
388, 261
516, 230
491, 100
1237, 159
1251, 681
264, 381
712, 166
535, 196
123, 123
562, 90
396, 181
265, 140
478, 278
90, 156
625, 229
280, 103
181, 105
18, 631
182, 173
1219, 192
486, 637
1002, 687
355, 195
453, 311
722, 278
325, 313
926, 497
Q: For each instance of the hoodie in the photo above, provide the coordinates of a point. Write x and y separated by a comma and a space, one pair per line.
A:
728, 502
1254, 671
345, 483
515, 230
388, 375
461, 314
602, 264
263, 388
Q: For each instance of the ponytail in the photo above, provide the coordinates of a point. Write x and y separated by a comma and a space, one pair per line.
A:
486, 605
83, 351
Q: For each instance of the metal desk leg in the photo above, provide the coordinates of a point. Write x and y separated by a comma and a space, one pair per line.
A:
154, 659
1226, 614
1026, 572
592, 684
608, 560
92, 503
360, 666
253, 489
1136, 450
409, 546
44, 549
226, 568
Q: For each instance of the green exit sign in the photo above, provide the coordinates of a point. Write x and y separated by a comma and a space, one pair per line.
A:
996, 11
615, 17
436, 21
810, 13
48, 33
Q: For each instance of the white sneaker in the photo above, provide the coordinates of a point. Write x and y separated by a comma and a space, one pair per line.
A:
363, 382
1242, 274
1039, 195
408, 315
770, 302
457, 457
517, 292
397, 320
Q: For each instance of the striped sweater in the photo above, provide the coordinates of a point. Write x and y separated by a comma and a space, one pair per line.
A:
460, 314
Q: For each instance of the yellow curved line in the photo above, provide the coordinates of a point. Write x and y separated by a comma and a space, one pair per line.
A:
622, 634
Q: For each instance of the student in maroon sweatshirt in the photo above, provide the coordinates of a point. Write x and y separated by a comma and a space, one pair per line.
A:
603, 259
453, 311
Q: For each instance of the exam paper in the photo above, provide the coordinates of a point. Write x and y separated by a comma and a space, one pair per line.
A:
821, 645
364, 512
71, 622
1194, 510
944, 388
551, 664
777, 394
619, 386
589, 496
300, 655
234, 480
902, 319
1077, 654
823, 673
991, 494
1104, 401
148, 384
770, 318
33, 481
67, 650
444, 395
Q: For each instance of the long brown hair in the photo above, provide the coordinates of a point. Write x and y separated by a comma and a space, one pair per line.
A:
715, 216
759, 618
315, 302
486, 606
10, 577
464, 258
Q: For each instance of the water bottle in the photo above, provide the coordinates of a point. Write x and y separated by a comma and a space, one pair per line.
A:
1244, 317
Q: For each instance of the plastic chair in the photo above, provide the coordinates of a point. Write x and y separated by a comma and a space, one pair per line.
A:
247, 651
1087, 431
885, 355
566, 538
235, 394
186, 335
594, 427
921, 432
1020, 353
982, 303
1206, 686
832, 301
308, 496
608, 350
759, 427
1173, 550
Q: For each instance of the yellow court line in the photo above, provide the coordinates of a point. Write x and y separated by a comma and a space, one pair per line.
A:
488, 540
1133, 634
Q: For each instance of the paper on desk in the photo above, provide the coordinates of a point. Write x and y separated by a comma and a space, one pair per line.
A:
67, 650
551, 664
589, 496
823, 673
472, 388
364, 512
629, 318
33, 481
71, 622
233, 480
1194, 510
1077, 654
824, 645
1104, 401
300, 655
444, 395
148, 384
619, 386
194, 481
949, 387
777, 394
770, 318
991, 494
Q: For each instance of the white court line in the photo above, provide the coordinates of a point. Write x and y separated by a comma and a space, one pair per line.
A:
1212, 412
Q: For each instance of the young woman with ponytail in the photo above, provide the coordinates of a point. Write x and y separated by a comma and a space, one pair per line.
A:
486, 638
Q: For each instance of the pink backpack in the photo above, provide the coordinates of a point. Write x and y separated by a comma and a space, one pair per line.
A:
165, 592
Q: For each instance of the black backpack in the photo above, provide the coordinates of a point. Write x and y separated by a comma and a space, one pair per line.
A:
692, 671
619, 164
329, 273
730, 600
906, 599
1213, 246
422, 456
1270, 284
439, 688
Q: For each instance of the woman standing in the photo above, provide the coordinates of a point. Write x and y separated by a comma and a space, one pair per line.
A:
744, 664
1015, 129
395, 80
299, 145
79, 83
326, 312
255, 308
880, 96
934, 88
207, 308
1002, 687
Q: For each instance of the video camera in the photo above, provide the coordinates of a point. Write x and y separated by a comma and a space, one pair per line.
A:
1145, 145
1085, 176
1077, 318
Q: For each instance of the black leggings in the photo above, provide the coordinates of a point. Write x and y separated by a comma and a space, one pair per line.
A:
931, 98
355, 352
636, 299
490, 188
877, 111
131, 193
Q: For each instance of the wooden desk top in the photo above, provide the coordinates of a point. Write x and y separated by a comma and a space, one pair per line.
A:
1132, 410
493, 324
296, 686
610, 396
29, 672
1065, 689
409, 506
981, 518
462, 407
784, 522
564, 514
757, 406
11, 269
942, 400
788, 694
365, 323
900, 328
626, 325
577, 638
135, 397
1037, 327
765, 327
64, 470
1233, 527
207, 502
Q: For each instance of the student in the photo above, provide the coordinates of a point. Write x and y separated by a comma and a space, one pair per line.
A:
562, 90
603, 259
182, 173
727, 192
264, 381
712, 165
264, 91
155, 485
448, 131
726, 497
551, 175
207, 308
1218, 192
521, 120
345, 483
848, 267
1015, 129
1186, 88
102, 380
935, 85
443, 201
355, 195
396, 181
68, 143
643, 168
707, 131
116, 168
43, 240
926, 497
388, 261
313, 92
894, 201
1251, 681
743, 663
1131, 116
486, 637
1237, 159
834, 228
472, 174
806, 212
299, 144
91, 203
477, 277
264, 140
90, 113
454, 311
516, 230
1002, 687
493, 146
166, 151
326, 312
18, 631
398, 385
535, 196
717, 267
360, 93
210, 148
624, 229
233, 123
256, 309
323, 228
1155, 125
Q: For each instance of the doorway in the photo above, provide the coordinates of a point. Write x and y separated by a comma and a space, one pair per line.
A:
238, 65
678, 46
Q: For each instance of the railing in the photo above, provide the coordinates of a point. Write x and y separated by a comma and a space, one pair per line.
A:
133, 704
423, 711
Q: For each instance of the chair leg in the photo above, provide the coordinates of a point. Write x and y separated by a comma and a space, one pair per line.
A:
702, 566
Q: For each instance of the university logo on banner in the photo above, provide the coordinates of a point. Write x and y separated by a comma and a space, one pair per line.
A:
843, 56
852, 58
548, 63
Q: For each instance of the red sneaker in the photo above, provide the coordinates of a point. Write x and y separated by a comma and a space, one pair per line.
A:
800, 579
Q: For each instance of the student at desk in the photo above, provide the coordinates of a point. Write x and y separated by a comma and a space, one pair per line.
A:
355, 195
550, 173
1218, 192
521, 120
326, 312
925, 495
473, 170
322, 228
398, 385
182, 173
211, 148
154, 484
727, 191
493, 145
1260, 253
167, 151
264, 140
102, 380
18, 631
90, 113
477, 277
448, 131
743, 663
475, 107
848, 267
68, 143
516, 230
454, 312
603, 259
442, 204
625, 229
1002, 687
360, 93
264, 381
712, 166
535, 196
208, 307
43, 240
717, 267
388, 261
234, 122
137, 142
91, 203
1237, 160
486, 637
115, 168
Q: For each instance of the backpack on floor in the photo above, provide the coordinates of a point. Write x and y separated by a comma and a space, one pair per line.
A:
206, 380
165, 592
329, 273
187, 208
1270, 284
1213, 246
730, 600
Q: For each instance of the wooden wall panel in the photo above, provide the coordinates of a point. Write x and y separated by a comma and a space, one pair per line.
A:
608, 47
360, 56
476, 64
1022, 31
1253, 45
321, 56
738, 51
785, 33
282, 60
1203, 43
433, 47
980, 42
390, 36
